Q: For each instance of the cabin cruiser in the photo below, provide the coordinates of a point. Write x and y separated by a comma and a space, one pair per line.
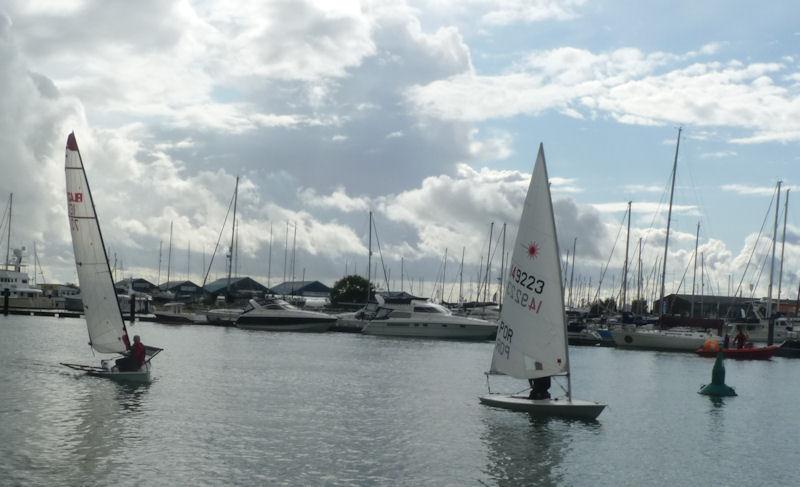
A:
15, 281
423, 319
674, 339
753, 321
273, 314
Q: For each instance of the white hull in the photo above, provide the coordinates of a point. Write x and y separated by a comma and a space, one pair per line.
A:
297, 327
106, 371
559, 407
418, 329
667, 340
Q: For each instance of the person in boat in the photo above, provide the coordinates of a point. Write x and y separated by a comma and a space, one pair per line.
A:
741, 339
540, 388
135, 358
726, 342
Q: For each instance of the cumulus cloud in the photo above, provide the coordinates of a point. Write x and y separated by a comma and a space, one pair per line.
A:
338, 200
629, 86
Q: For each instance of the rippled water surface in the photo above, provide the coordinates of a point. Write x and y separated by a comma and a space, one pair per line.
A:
240, 407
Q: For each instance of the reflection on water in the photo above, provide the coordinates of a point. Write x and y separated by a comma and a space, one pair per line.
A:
523, 450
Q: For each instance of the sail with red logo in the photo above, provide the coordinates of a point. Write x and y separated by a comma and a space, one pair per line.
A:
531, 341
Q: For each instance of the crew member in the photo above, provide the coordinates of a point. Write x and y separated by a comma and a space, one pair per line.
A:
741, 339
540, 388
135, 357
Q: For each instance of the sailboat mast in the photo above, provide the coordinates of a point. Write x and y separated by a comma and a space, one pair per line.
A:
783, 247
488, 256
572, 271
444, 274
233, 238
461, 277
169, 253
625, 267
8, 238
694, 274
771, 332
369, 258
158, 278
669, 221
502, 268
639, 278
269, 259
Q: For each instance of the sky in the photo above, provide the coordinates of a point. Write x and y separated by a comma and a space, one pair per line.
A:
427, 113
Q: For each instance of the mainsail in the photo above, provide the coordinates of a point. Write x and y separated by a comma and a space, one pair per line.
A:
531, 338
107, 332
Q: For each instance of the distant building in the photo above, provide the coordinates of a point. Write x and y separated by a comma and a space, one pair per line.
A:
311, 289
59, 290
719, 306
181, 290
239, 287
138, 285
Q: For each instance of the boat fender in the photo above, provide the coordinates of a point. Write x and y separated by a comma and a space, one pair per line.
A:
628, 339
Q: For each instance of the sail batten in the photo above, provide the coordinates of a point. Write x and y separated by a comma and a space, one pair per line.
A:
531, 338
104, 321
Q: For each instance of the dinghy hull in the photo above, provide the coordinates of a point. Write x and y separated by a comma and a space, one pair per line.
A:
545, 407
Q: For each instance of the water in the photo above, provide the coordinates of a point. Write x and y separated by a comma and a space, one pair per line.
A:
240, 407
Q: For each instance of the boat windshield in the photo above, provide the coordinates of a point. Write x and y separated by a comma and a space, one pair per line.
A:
431, 308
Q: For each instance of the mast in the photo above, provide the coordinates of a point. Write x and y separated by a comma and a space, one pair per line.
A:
402, 270
694, 274
8, 238
369, 258
444, 274
502, 267
639, 278
158, 279
189, 261
233, 239
702, 281
771, 332
572, 271
783, 246
461, 277
169, 253
625, 267
285, 251
269, 259
294, 249
669, 221
488, 256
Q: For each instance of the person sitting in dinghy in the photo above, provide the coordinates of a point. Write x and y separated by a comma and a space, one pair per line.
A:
540, 388
135, 358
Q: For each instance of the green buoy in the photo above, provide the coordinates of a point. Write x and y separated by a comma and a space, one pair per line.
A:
717, 387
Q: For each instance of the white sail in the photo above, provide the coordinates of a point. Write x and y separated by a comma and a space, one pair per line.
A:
107, 332
531, 339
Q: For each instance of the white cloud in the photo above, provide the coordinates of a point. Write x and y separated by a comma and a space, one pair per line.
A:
629, 86
338, 200
527, 11
751, 190
725, 154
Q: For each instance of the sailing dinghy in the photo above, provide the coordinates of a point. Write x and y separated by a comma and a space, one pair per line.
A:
107, 332
532, 336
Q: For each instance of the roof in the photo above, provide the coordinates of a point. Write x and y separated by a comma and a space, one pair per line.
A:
299, 287
222, 283
174, 284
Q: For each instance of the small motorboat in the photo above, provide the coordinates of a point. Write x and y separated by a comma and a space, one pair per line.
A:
746, 353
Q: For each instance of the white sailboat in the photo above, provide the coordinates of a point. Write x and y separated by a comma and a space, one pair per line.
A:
532, 337
107, 332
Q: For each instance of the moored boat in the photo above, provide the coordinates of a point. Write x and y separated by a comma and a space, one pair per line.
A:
746, 353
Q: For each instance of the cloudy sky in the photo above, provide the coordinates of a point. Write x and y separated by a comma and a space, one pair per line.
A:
429, 113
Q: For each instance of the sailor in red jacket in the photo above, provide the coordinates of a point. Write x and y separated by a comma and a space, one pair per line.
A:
137, 351
135, 357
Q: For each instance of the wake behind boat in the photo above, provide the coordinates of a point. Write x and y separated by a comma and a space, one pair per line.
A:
531, 340
107, 332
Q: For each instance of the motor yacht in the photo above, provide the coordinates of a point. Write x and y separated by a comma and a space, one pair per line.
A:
424, 319
273, 314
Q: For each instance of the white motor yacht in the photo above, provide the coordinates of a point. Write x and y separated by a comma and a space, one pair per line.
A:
274, 314
427, 320
675, 340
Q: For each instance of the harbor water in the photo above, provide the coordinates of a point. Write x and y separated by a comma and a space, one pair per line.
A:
234, 407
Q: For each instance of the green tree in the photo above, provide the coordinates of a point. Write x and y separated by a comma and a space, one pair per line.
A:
351, 289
